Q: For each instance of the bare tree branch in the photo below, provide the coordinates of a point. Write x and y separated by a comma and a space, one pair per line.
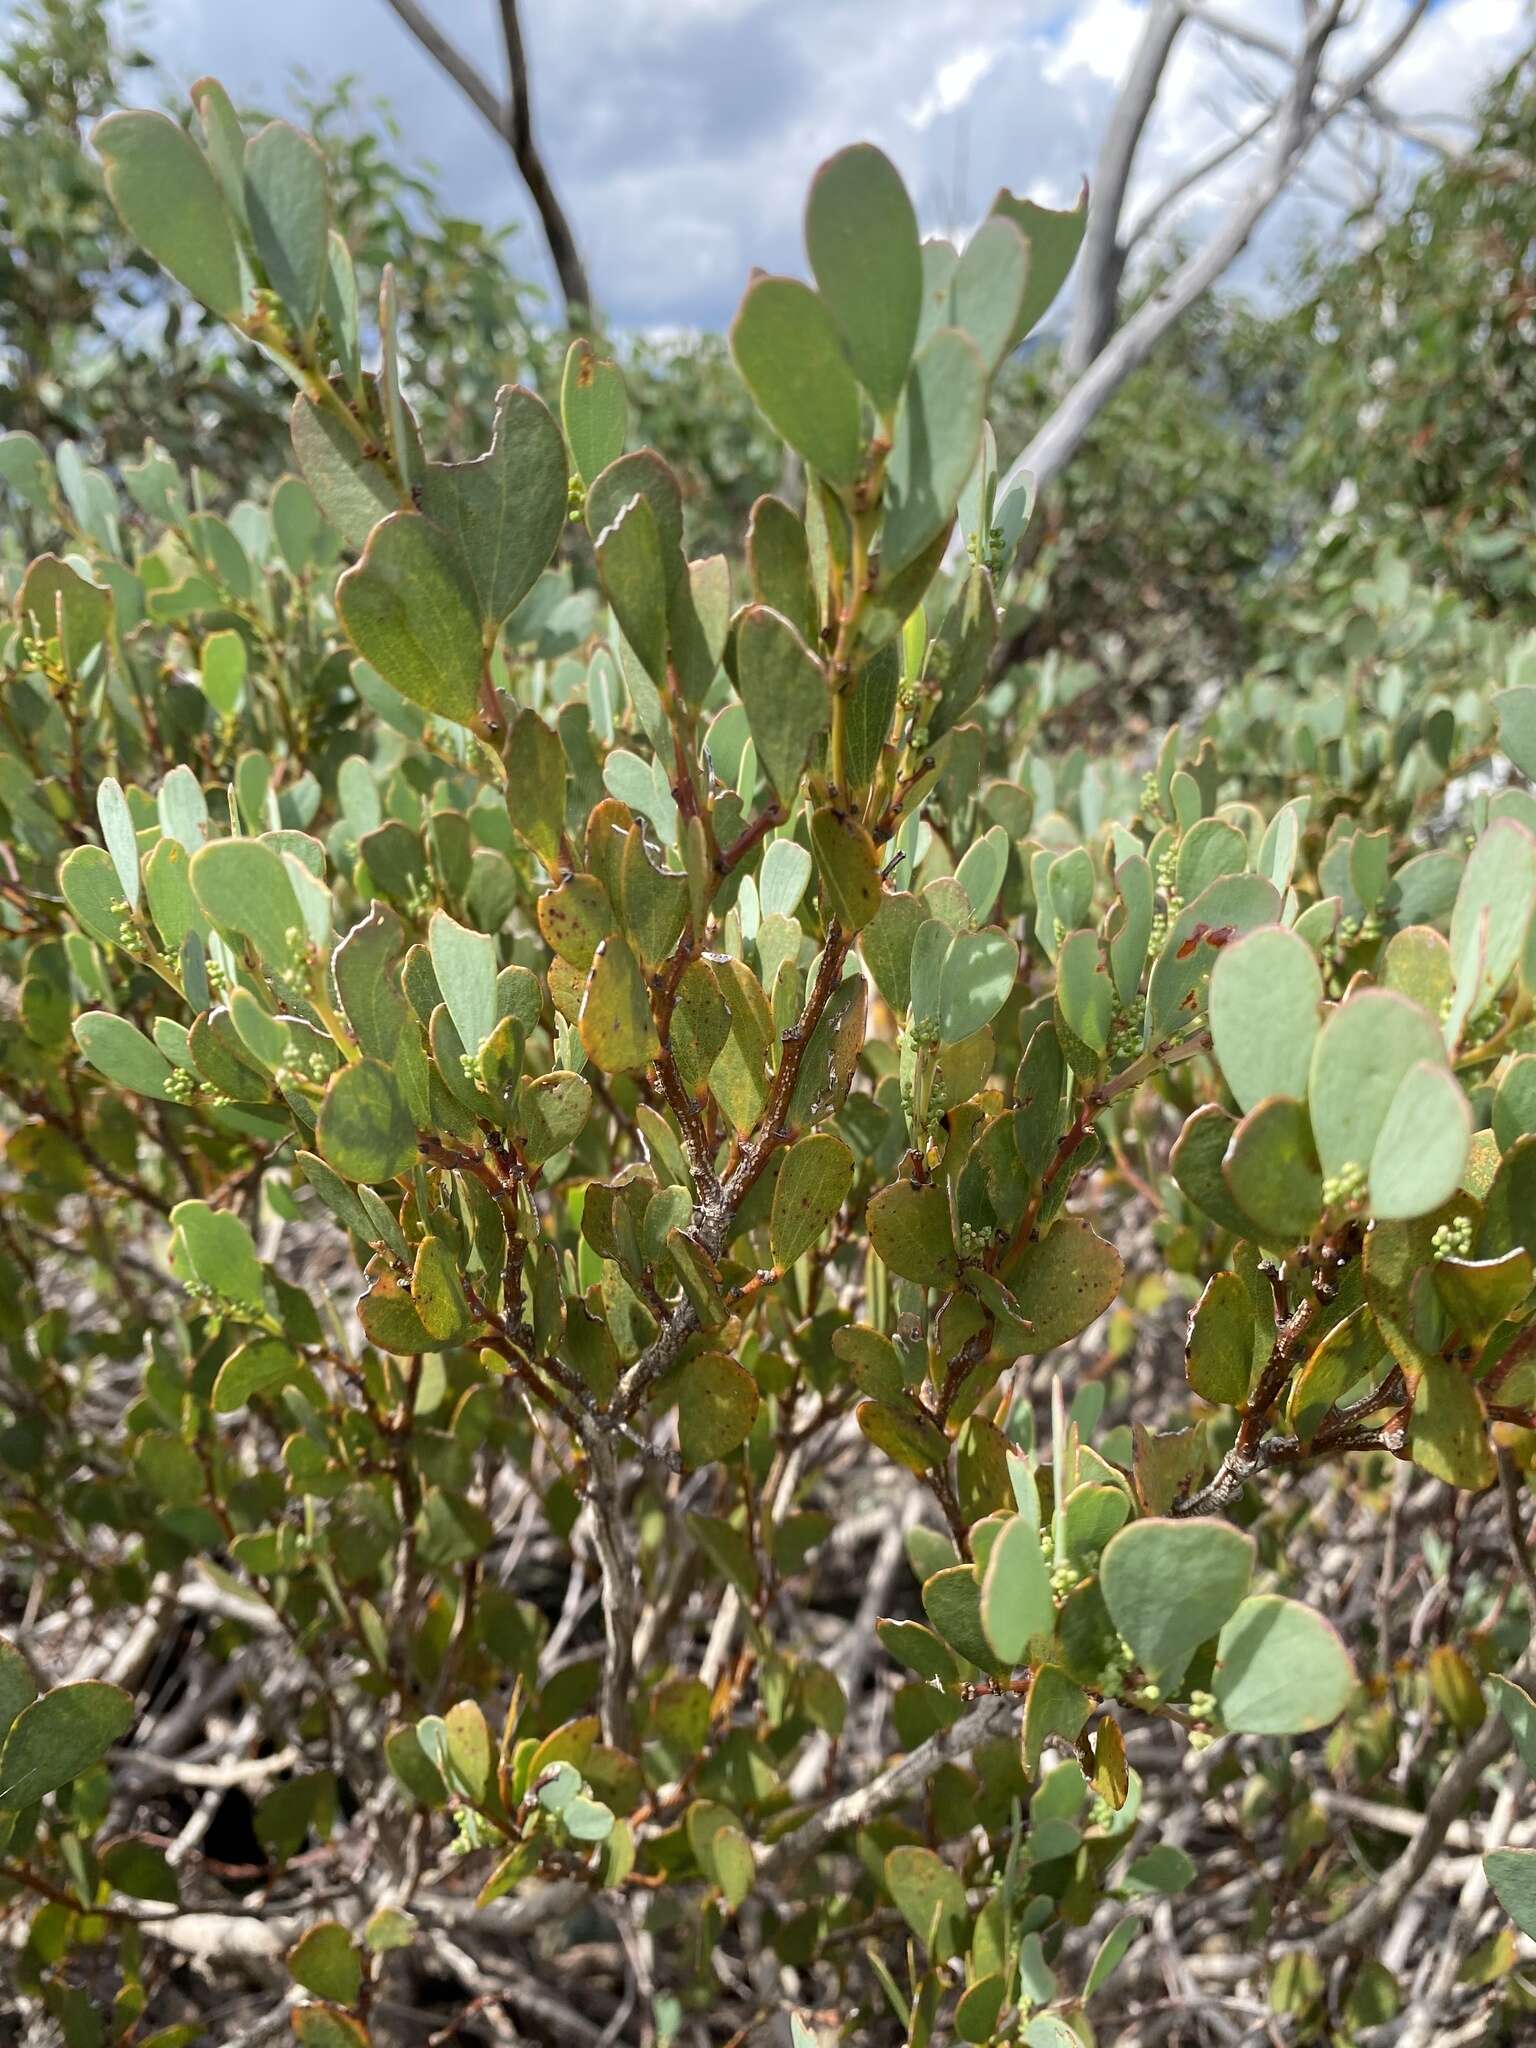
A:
1101, 260
512, 120
1302, 117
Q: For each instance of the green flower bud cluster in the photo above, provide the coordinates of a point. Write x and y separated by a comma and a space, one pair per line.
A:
473, 1831
211, 1301
1151, 796
218, 978
127, 930
988, 553
1355, 931
1129, 1030
972, 1240
1453, 1240
180, 1086
1346, 1188
575, 499
1100, 1813
310, 1071
1112, 1677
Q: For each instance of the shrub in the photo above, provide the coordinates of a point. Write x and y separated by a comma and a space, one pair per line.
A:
574, 1101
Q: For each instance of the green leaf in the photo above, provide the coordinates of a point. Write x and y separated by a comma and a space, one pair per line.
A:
121, 1052
1450, 1433
536, 770
1054, 239
861, 237
790, 354
930, 1898
629, 561
364, 1128
1280, 1669
987, 294
288, 208
654, 901
1110, 1954
1055, 1705
324, 1961
616, 1024
505, 511
1171, 1585
1164, 1868
59, 1736
1063, 1281
256, 1368
909, 1229
919, 1649
1518, 1710
122, 842
437, 1294
169, 201
784, 693
593, 409
355, 491
1350, 1350
64, 607
552, 1113
464, 962
242, 886
220, 1252
779, 564
1265, 1001
1016, 1601
1416, 1163
812, 1186
900, 1429
1491, 919
322, 2026
223, 670
975, 981
1359, 1060
850, 867
1271, 1171
1514, 1104
1517, 727
17, 1687
1512, 1874
717, 1403
139, 1870
979, 2008
1218, 1358
410, 610
933, 450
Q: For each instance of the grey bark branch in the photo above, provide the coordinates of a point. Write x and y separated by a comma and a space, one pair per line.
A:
512, 119
1302, 117
994, 1715
1101, 260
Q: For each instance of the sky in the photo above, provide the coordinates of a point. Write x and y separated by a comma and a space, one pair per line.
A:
681, 134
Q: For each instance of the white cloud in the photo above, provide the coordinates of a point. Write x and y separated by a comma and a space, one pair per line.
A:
681, 134
1099, 39
952, 87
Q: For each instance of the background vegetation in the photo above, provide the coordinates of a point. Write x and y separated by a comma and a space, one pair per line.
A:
503, 1660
